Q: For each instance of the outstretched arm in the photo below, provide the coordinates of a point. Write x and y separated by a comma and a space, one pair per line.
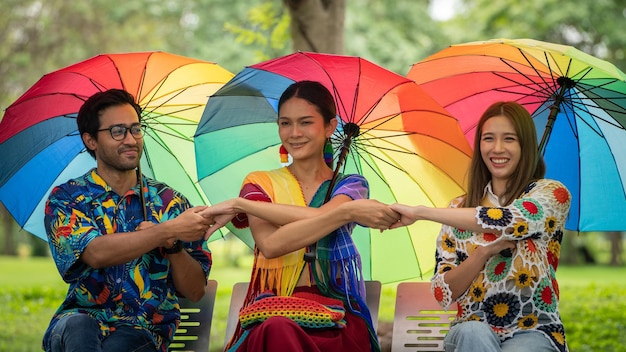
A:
274, 241
463, 218
106, 251
274, 213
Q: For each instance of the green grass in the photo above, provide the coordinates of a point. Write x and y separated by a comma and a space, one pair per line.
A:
592, 304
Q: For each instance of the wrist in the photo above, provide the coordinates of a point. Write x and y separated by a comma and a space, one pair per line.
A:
175, 248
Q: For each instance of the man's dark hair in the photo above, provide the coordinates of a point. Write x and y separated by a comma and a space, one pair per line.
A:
88, 119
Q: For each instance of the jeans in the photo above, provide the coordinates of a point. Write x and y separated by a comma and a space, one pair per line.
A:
472, 336
80, 332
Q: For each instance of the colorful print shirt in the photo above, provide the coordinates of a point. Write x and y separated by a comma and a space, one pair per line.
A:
518, 292
139, 293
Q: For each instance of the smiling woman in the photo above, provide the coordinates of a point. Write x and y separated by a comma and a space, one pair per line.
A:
508, 225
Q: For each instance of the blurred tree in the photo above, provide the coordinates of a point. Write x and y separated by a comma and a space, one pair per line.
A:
317, 25
393, 33
591, 26
6, 232
265, 28
615, 237
42, 36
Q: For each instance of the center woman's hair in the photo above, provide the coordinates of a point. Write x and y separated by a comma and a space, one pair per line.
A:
313, 92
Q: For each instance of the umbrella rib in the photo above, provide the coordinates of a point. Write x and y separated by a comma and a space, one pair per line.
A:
358, 147
178, 92
371, 108
533, 68
152, 114
169, 133
540, 92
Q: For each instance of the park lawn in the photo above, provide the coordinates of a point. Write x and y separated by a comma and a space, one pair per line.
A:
592, 304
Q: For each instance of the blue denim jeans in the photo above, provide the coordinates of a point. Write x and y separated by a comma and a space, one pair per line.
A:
478, 336
80, 332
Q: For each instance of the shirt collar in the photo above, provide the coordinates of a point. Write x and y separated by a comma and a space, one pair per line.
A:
491, 196
98, 183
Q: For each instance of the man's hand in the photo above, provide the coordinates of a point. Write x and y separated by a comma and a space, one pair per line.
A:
145, 225
191, 225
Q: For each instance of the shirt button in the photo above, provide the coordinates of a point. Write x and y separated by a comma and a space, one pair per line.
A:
118, 280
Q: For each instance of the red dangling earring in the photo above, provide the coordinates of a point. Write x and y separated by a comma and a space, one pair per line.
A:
284, 155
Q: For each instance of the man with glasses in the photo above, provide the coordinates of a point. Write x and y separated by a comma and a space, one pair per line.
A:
124, 271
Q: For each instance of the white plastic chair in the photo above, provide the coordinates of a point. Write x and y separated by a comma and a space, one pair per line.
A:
194, 329
419, 322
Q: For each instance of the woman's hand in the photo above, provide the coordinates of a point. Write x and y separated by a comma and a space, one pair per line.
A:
221, 214
371, 213
498, 246
407, 215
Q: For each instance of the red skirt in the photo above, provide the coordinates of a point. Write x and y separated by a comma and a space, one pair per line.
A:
283, 334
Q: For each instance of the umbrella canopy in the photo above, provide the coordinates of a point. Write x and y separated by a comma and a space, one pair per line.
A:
39, 140
407, 146
578, 103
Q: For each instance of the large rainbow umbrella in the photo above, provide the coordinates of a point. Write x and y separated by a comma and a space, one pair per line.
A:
578, 103
39, 142
407, 146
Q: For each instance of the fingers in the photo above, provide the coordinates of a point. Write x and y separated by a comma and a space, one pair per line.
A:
199, 209
210, 231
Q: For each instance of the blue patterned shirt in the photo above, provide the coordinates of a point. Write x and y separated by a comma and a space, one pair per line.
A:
139, 293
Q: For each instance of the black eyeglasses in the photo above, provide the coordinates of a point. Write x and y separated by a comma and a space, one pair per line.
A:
118, 132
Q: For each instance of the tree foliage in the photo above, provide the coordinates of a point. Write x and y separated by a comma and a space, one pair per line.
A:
266, 29
393, 33
591, 26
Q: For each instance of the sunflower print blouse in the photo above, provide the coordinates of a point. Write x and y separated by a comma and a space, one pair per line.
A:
518, 292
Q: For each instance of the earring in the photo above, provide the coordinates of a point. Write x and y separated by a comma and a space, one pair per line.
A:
328, 153
284, 155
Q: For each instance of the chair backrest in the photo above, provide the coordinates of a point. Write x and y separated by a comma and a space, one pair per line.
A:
236, 301
372, 299
419, 323
195, 322
372, 292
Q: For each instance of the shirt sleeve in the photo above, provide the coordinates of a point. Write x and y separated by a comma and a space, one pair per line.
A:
198, 250
545, 203
354, 186
446, 258
69, 229
249, 191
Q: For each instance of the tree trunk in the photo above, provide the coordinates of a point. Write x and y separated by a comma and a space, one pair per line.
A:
317, 25
616, 247
7, 230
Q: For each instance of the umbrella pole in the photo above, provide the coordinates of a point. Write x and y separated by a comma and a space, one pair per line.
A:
141, 193
351, 130
565, 83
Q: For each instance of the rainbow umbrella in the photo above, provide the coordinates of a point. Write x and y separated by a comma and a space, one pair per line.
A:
578, 103
407, 146
41, 147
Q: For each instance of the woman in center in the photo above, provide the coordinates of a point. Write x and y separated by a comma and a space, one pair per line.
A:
306, 290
